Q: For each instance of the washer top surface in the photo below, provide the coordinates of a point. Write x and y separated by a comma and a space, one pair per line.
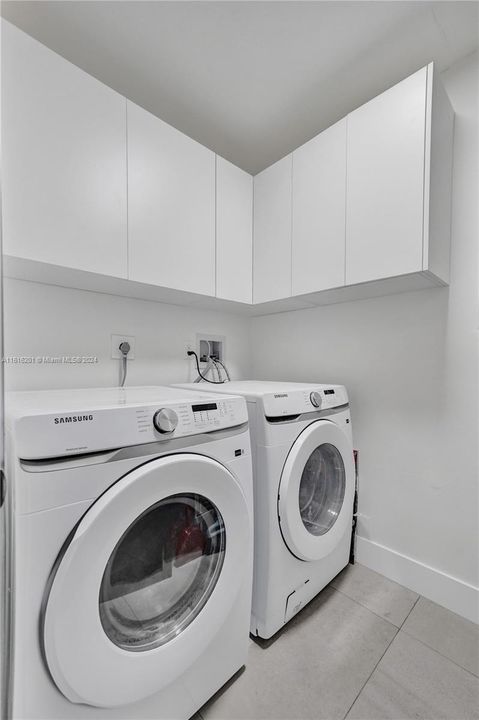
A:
43, 401
59, 423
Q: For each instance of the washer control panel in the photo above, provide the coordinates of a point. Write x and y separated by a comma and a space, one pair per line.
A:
212, 414
190, 418
165, 420
41, 436
316, 399
310, 399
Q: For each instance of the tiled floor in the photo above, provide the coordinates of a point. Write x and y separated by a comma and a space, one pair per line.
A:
365, 648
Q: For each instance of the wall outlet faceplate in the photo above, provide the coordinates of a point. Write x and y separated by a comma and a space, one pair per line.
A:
116, 341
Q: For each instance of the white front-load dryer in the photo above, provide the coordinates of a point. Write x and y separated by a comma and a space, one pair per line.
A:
304, 483
130, 551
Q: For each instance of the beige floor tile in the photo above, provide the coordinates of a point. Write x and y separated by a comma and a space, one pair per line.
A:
382, 596
444, 631
413, 682
314, 669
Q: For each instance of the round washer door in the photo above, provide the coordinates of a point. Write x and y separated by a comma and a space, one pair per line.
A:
316, 491
145, 580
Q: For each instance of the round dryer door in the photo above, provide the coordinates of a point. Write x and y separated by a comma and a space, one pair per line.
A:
316, 491
144, 581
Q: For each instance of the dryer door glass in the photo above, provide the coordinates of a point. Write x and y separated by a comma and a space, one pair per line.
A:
321, 490
162, 572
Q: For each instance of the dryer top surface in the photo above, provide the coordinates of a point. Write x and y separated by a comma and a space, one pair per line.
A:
252, 389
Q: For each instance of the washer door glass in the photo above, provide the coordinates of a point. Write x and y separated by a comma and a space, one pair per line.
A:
316, 491
165, 553
322, 488
162, 572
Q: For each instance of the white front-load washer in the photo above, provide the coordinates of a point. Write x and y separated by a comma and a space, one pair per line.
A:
304, 482
130, 518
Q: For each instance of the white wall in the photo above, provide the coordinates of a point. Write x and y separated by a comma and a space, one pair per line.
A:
43, 320
410, 364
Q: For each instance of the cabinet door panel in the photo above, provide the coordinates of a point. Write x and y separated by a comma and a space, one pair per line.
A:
171, 206
64, 161
234, 232
385, 183
272, 232
319, 211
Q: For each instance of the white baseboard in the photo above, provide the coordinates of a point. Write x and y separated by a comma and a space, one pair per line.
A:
443, 589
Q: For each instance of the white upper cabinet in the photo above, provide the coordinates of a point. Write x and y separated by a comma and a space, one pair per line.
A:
389, 181
319, 212
171, 206
438, 163
64, 161
234, 232
272, 232
95, 186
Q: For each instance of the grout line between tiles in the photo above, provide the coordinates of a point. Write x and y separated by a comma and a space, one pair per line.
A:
200, 716
414, 637
446, 657
374, 668
417, 640
416, 602
398, 627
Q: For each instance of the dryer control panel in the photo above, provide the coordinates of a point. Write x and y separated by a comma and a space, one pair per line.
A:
59, 434
304, 400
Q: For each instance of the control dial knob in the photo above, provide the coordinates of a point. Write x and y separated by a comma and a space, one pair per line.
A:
316, 399
165, 420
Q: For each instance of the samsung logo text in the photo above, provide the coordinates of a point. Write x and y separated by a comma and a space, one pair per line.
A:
72, 419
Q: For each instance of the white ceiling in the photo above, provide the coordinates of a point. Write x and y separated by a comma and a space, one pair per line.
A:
250, 80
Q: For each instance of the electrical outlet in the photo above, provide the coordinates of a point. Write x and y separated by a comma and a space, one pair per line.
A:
116, 341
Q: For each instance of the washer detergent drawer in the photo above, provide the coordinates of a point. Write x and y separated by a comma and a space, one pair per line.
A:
297, 600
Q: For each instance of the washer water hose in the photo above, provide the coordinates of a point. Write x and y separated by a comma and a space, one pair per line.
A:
212, 365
